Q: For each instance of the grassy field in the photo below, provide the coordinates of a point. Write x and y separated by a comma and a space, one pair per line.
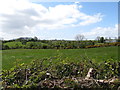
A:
10, 57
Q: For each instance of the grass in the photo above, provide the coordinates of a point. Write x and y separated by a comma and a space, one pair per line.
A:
10, 57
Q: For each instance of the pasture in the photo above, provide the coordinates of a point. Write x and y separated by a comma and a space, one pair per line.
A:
13, 56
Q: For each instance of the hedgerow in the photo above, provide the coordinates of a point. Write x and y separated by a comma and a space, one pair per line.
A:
55, 72
104, 45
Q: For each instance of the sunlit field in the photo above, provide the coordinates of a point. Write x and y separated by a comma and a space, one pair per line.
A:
13, 56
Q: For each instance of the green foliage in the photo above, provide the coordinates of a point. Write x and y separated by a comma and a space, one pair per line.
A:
5, 47
44, 72
58, 44
34, 43
13, 45
102, 40
104, 45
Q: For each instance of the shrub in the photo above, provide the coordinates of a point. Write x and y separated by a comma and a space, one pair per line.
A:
104, 45
55, 72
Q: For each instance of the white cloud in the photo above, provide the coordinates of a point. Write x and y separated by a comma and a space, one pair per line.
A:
91, 19
102, 32
77, 2
21, 17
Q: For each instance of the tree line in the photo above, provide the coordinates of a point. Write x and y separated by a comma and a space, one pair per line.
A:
35, 43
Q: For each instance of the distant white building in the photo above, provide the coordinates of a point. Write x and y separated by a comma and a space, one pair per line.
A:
111, 41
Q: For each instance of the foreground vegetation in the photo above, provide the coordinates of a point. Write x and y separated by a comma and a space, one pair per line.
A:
58, 73
11, 57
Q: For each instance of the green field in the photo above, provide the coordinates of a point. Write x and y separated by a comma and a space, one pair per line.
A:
10, 57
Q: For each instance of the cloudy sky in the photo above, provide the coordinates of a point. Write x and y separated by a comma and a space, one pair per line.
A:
58, 20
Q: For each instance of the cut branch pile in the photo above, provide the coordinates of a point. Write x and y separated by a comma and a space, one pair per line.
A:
78, 82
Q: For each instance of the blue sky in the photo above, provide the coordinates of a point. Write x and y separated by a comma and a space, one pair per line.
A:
59, 20
108, 9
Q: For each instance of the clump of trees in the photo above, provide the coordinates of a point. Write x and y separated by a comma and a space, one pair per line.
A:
35, 43
80, 37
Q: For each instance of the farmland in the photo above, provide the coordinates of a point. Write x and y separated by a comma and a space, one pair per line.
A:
31, 63
12, 56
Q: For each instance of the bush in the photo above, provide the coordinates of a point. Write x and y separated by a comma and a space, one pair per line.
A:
104, 45
4, 47
55, 72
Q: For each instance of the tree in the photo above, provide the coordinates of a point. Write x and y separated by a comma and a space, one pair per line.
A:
98, 38
24, 42
4, 47
106, 38
79, 37
110, 40
102, 40
118, 39
35, 38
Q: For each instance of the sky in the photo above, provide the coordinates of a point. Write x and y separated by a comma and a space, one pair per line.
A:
58, 20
